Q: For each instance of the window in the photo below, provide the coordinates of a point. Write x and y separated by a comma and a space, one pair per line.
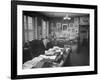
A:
28, 28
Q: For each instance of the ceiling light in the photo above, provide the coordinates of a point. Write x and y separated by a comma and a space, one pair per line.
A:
66, 17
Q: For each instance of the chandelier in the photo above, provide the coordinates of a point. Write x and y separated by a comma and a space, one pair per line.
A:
67, 17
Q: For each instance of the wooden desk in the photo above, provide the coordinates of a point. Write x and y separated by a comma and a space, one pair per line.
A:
58, 62
45, 63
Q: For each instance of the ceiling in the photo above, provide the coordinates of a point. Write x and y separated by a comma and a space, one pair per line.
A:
62, 14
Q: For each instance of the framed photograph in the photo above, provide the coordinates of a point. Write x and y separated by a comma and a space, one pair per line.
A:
30, 28
58, 25
64, 26
71, 25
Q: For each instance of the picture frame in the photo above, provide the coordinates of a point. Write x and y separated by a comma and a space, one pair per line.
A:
71, 24
59, 28
64, 26
17, 7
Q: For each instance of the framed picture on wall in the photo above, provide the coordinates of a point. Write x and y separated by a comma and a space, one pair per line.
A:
64, 26
58, 25
71, 24
45, 64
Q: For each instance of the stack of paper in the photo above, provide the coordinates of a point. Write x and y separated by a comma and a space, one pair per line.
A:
53, 57
32, 63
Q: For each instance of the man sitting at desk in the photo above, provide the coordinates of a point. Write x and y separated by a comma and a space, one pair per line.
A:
38, 47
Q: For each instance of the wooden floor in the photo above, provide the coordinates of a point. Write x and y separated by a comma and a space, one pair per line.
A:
79, 56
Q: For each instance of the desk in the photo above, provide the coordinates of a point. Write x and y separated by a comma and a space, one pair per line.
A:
48, 62
58, 62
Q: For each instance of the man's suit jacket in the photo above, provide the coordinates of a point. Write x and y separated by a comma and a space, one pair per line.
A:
37, 47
